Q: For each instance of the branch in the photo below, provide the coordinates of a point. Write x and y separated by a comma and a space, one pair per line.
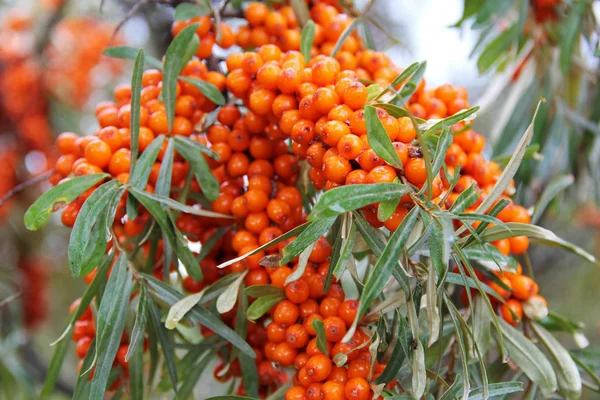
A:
25, 185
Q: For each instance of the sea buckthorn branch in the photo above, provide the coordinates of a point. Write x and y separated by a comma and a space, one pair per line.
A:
243, 210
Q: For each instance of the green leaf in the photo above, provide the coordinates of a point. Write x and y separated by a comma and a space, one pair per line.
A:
510, 170
110, 323
301, 10
496, 389
387, 262
203, 174
413, 83
529, 358
134, 121
178, 310
171, 296
338, 265
377, 245
58, 357
226, 301
489, 256
462, 341
419, 377
193, 374
262, 305
291, 233
96, 247
397, 111
82, 385
570, 34
179, 52
403, 76
91, 210
439, 157
168, 202
379, 139
208, 89
439, 244
496, 49
165, 338
130, 53
197, 147
309, 236
352, 197
163, 183
400, 353
465, 199
263, 290
319, 327
482, 319
554, 187
340, 42
306, 39
58, 197
302, 262
451, 120
139, 327
136, 374
164, 221
188, 10
536, 233
141, 170
567, 374
467, 281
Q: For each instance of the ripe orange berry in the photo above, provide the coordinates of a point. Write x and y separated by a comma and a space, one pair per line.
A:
286, 313
296, 336
335, 328
98, 153
523, 287
284, 354
336, 168
329, 307
415, 171
516, 308
318, 367
348, 310
333, 390
296, 392
359, 369
298, 291
357, 389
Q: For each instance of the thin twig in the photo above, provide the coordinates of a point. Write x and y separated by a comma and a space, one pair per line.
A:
10, 298
25, 185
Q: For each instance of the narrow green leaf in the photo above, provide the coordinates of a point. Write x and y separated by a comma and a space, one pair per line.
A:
163, 183
378, 138
58, 357
139, 327
387, 262
461, 340
175, 205
511, 168
340, 42
352, 197
302, 13
554, 187
262, 305
192, 375
419, 375
130, 53
134, 120
197, 146
139, 175
136, 373
306, 39
188, 10
208, 89
291, 233
403, 76
339, 264
179, 52
319, 327
482, 321
400, 353
465, 199
165, 338
226, 301
178, 310
451, 120
57, 198
496, 390
495, 49
570, 33
567, 373
110, 323
202, 172
397, 111
457, 279
439, 157
409, 89
536, 233
529, 358
171, 296
247, 365
309, 236
83, 384
90, 212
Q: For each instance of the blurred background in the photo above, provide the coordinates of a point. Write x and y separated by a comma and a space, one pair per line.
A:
508, 56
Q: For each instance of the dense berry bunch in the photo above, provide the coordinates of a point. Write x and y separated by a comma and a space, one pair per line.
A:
284, 110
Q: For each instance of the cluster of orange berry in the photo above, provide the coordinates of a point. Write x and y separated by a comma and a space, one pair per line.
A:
294, 110
207, 34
